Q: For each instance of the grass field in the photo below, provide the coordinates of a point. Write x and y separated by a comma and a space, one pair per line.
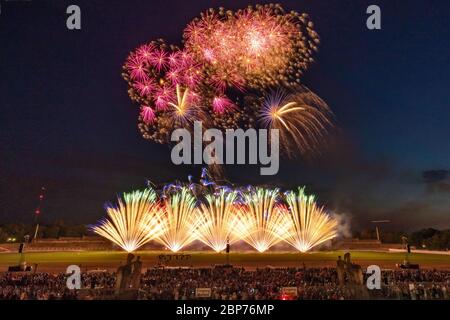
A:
58, 261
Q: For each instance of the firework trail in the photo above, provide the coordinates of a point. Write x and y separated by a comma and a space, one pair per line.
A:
310, 225
134, 222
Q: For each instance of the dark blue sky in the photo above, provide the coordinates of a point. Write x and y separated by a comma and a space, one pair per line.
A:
66, 121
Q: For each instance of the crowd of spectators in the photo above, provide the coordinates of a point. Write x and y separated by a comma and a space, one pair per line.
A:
230, 284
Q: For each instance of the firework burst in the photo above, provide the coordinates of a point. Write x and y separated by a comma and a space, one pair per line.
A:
216, 215
217, 219
302, 119
264, 45
259, 223
134, 222
310, 225
147, 114
182, 108
178, 224
229, 56
222, 104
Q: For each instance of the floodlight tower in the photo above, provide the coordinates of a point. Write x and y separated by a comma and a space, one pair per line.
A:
377, 229
38, 212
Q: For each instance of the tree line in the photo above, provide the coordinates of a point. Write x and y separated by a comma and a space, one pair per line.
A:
427, 238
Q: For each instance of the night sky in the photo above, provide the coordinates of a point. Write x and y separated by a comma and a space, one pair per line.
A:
67, 123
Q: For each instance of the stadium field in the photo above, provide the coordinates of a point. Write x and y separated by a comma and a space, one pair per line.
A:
110, 260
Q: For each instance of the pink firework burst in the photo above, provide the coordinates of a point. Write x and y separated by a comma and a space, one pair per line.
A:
222, 104
144, 53
148, 114
162, 97
175, 60
193, 30
192, 77
159, 59
186, 59
194, 98
257, 45
228, 79
208, 53
145, 87
185, 55
174, 76
136, 67
161, 103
